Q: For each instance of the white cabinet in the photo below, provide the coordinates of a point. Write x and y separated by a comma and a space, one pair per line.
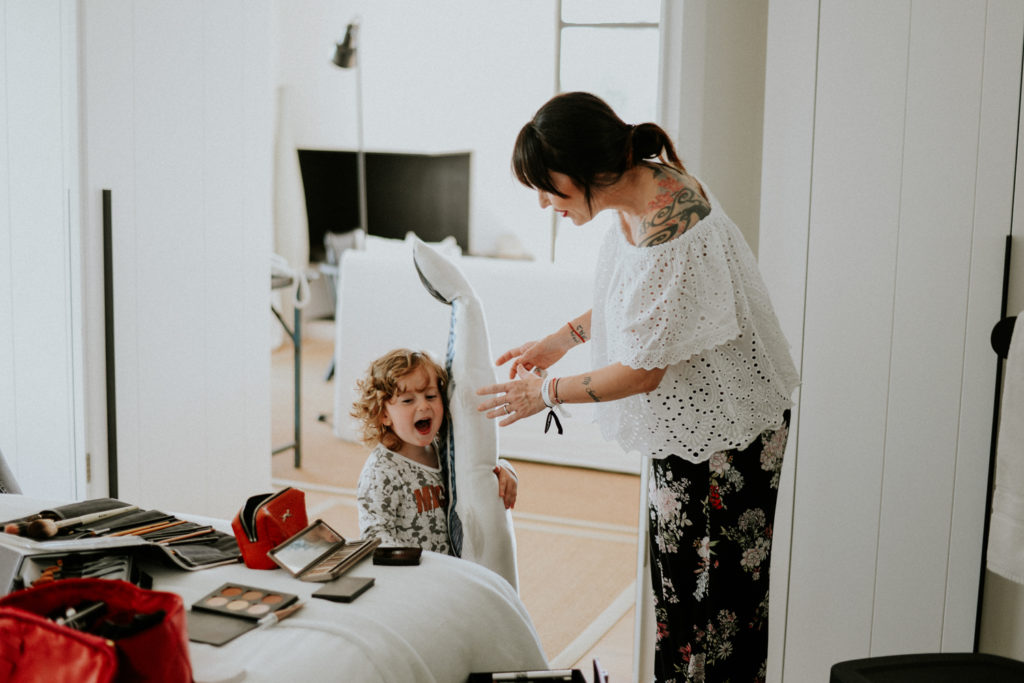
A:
890, 130
169, 105
41, 404
177, 116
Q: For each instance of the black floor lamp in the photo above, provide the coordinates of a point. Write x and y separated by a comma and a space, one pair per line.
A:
345, 57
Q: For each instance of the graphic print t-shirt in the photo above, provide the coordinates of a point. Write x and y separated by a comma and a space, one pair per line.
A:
403, 503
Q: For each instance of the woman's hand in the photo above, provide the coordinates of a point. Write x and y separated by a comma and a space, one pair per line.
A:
508, 486
513, 400
536, 354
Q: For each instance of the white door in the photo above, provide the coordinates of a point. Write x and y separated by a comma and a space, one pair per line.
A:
178, 120
890, 130
41, 405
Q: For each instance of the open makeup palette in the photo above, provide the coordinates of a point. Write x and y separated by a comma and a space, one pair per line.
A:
233, 609
319, 553
246, 602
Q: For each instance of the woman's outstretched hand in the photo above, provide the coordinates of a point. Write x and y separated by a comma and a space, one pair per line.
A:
539, 355
513, 400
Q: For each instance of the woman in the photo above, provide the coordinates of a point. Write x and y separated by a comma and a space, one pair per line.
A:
691, 369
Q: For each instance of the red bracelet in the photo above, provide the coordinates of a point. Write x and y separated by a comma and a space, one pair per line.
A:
575, 334
554, 391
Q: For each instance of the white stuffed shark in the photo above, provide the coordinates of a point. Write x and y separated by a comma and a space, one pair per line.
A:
478, 523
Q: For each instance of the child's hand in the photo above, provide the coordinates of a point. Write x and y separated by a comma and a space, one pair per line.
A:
508, 486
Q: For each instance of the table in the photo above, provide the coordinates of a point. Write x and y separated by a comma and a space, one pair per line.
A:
295, 334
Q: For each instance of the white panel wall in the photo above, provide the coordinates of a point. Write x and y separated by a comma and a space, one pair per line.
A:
998, 142
107, 104
933, 271
947, 301
720, 93
179, 119
911, 141
848, 327
1002, 618
785, 205
40, 391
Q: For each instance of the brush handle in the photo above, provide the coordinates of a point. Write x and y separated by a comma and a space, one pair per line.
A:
148, 528
95, 516
42, 528
279, 615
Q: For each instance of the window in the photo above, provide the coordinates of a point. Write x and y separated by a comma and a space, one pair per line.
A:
610, 48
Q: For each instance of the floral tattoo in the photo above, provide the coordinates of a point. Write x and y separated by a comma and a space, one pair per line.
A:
676, 209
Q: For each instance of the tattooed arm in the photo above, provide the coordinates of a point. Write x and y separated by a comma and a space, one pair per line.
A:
546, 352
607, 384
512, 401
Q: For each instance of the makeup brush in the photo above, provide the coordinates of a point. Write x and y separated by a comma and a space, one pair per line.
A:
279, 615
48, 528
148, 528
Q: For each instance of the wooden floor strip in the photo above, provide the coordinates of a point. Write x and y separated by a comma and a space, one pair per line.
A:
593, 633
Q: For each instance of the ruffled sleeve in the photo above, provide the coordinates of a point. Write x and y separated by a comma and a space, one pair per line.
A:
668, 303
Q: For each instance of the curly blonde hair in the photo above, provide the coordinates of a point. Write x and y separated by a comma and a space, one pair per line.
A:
380, 385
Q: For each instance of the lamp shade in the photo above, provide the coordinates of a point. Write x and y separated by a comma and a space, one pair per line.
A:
345, 51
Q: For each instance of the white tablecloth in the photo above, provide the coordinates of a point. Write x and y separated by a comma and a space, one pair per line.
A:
435, 622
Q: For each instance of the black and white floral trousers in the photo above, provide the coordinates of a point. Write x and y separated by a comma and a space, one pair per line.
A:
710, 540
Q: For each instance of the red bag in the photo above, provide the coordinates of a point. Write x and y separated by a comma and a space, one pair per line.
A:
37, 649
267, 520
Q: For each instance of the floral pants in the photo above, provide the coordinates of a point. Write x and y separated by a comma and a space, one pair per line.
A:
711, 537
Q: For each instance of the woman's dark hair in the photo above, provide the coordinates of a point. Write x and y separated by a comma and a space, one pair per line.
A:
579, 135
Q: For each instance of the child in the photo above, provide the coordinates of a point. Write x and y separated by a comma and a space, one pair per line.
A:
401, 492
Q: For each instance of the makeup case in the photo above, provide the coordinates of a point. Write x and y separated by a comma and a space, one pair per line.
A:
265, 521
93, 630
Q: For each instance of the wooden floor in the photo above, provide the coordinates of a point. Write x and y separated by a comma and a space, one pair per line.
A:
575, 528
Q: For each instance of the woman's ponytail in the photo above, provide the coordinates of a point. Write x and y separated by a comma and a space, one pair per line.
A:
650, 141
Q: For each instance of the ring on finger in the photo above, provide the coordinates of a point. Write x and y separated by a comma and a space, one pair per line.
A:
505, 407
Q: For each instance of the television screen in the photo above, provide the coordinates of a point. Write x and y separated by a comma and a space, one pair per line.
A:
427, 194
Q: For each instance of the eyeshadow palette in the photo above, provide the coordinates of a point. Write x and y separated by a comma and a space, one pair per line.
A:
247, 602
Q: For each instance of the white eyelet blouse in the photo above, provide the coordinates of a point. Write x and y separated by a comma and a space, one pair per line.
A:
696, 305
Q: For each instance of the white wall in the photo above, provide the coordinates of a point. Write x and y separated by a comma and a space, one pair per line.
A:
889, 289
721, 102
1002, 617
41, 411
790, 64
177, 108
437, 76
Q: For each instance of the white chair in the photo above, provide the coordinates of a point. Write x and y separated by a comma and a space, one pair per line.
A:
335, 245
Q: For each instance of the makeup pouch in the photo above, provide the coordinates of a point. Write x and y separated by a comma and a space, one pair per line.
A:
27, 641
265, 521
111, 630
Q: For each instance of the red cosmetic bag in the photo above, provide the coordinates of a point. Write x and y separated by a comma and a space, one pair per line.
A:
267, 520
140, 635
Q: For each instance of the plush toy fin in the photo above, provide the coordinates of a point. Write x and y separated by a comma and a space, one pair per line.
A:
479, 525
